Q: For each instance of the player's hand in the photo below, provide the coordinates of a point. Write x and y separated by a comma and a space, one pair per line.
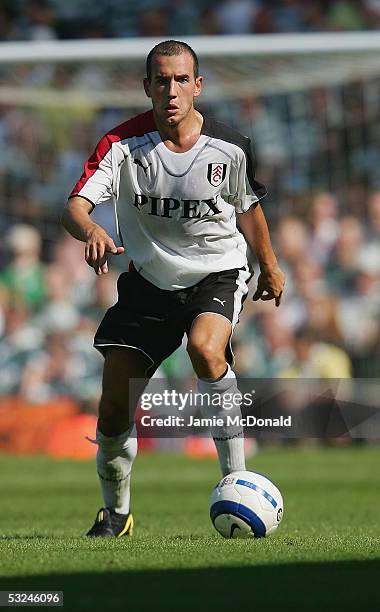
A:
270, 285
98, 244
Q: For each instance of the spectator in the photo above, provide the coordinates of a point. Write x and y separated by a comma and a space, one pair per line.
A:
372, 12
58, 313
23, 276
324, 226
264, 21
359, 313
68, 255
154, 22
209, 23
346, 15
374, 216
183, 18
269, 135
17, 342
322, 318
39, 20
8, 27
343, 267
103, 294
288, 16
52, 371
293, 239
315, 16
236, 16
314, 359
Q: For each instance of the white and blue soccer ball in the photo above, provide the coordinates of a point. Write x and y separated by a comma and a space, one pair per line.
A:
246, 505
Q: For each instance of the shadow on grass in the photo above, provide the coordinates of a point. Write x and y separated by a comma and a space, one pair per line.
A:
326, 586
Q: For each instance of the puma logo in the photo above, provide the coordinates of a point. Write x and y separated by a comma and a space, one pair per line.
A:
218, 300
138, 162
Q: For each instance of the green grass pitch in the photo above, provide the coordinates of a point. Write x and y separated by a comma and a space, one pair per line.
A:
325, 555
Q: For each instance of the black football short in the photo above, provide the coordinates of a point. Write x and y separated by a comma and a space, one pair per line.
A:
155, 320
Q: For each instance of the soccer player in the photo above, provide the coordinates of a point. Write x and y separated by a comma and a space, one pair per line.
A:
176, 178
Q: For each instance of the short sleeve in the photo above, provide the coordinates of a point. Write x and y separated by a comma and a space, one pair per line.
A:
245, 190
96, 182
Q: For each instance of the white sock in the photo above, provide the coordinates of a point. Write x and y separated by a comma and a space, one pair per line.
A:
229, 440
114, 461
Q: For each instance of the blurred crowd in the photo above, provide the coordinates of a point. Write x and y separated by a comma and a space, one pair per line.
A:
328, 325
325, 224
51, 19
324, 211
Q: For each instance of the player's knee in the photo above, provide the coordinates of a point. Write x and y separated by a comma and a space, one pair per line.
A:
206, 354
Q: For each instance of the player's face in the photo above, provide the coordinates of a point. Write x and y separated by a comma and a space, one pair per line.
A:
173, 87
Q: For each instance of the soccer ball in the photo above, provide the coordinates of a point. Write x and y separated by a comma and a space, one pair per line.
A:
246, 505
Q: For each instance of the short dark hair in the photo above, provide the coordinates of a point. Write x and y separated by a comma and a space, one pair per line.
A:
171, 47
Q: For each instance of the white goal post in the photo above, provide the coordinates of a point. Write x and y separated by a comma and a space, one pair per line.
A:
236, 66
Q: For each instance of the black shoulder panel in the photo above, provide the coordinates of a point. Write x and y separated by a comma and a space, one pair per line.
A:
217, 129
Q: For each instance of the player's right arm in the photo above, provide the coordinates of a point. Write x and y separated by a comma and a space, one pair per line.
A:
77, 221
94, 187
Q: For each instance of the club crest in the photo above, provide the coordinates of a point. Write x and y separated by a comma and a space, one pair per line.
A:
216, 174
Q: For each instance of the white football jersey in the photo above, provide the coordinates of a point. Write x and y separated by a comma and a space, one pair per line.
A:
175, 212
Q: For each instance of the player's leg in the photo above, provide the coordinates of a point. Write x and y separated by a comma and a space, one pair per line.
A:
116, 437
118, 401
212, 316
208, 340
135, 336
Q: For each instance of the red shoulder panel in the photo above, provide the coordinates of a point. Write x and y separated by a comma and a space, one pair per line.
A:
137, 126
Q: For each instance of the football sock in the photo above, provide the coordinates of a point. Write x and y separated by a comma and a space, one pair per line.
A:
114, 461
229, 439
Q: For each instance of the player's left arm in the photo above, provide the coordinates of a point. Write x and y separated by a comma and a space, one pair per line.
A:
246, 194
253, 225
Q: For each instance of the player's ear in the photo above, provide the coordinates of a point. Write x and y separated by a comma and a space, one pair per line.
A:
198, 86
147, 87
